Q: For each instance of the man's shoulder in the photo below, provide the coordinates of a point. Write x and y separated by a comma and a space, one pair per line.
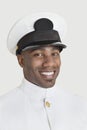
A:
12, 106
73, 106
10, 98
72, 100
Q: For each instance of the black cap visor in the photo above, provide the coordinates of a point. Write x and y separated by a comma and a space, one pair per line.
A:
56, 44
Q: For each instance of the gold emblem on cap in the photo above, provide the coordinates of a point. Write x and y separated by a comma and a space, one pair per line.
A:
47, 104
16, 47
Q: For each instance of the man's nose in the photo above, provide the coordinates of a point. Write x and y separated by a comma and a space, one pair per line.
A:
48, 61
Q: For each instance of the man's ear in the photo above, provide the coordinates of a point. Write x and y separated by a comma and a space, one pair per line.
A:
20, 60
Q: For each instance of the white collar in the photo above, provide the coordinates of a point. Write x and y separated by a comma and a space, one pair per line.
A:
35, 92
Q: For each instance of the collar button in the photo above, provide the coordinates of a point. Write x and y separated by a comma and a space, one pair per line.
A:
47, 104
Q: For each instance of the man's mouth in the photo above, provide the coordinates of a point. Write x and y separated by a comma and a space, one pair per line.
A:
48, 74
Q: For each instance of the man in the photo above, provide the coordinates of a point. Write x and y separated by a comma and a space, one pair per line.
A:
39, 103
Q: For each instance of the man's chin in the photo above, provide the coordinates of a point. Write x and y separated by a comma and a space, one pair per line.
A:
48, 84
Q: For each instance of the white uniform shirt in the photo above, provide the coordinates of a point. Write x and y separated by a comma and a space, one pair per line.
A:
30, 107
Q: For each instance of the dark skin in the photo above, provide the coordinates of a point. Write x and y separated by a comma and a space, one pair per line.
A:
41, 65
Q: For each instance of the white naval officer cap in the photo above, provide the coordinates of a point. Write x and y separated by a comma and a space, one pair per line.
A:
36, 30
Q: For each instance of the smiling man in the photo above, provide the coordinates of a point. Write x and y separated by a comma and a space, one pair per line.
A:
39, 103
41, 65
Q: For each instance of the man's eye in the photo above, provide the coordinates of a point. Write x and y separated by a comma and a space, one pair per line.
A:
55, 54
38, 55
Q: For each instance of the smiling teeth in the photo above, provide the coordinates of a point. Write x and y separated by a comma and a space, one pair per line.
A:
47, 73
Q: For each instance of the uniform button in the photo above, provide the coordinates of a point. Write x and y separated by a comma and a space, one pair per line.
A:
47, 104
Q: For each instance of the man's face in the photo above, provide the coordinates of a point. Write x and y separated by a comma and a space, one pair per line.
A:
41, 65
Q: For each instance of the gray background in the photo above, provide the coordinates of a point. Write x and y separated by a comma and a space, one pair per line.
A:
73, 75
